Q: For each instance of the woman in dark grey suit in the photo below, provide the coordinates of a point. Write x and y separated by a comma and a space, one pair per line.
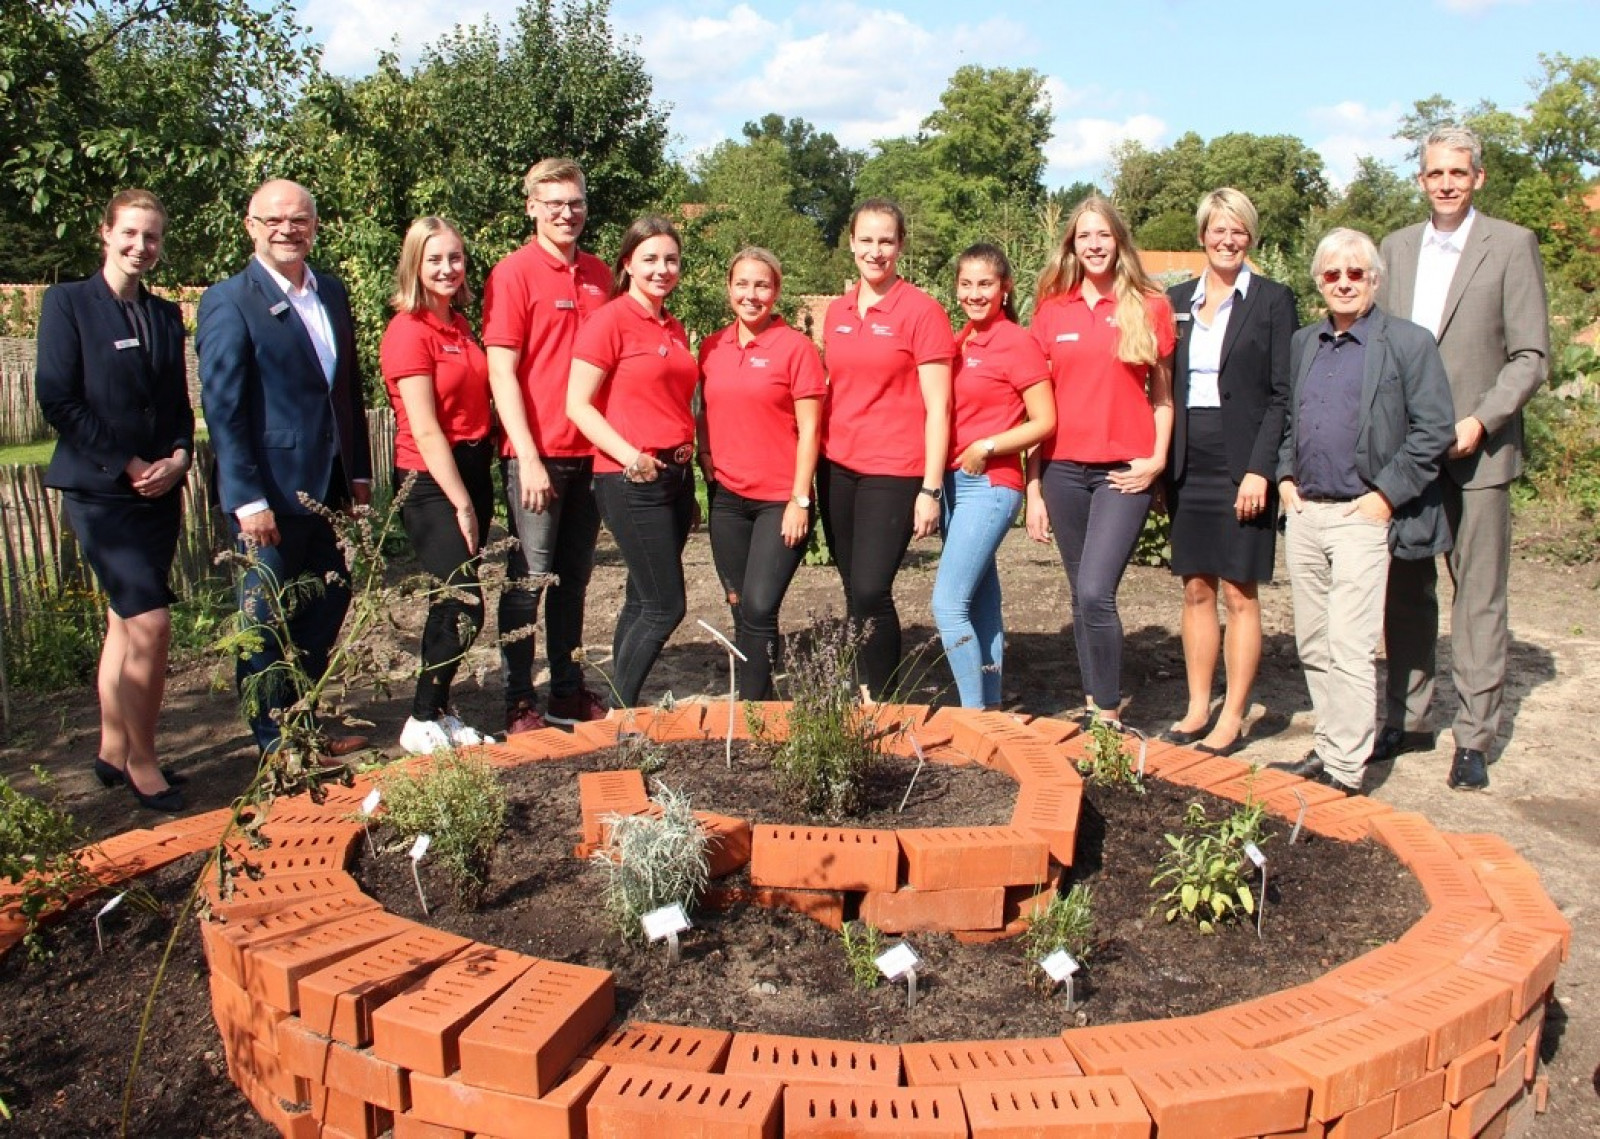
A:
111, 382
1231, 394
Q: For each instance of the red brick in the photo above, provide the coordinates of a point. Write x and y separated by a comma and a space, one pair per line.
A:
1528, 960
908, 910
546, 743
1349, 1062
1458, 1009
1212, 771
273, 971
1050, 811
408, 1126
1036, 761
631, 1102
1519, 899
824, 858
1161, 759
1476, 1111
1052, 730
345, 1115
239, 1014
1383, 972
1521, 1032
932, 1065
1448, 930
267, 1067
1448, 882
421, 1028
1108, 1050
1284, 802
596, 735
196, 832
950, 858
810, 1060
1061, 1107
1419, 1099
602, 793
1371, 1120
826, 907
1472, 1071
680, 723
1411, 836
291, 1124
1541, 1095
765, 717
717, 716
338, 1000
979, 734
1349, 819
1269, 1019
1489, 854
299, 850
249, 899
1244, 1094
1255, 785
843, 1112
533, 1032
1314, 1129
1435, 1126
227, 943
728, 847
303, 1052
125, 855
639, 1043
450, 1102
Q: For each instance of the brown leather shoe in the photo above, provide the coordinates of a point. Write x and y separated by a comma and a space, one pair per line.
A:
340, 746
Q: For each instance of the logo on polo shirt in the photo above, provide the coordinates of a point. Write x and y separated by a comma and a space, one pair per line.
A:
592, 290
974, 362
882, 330
758, 362
844, 329
1066, 337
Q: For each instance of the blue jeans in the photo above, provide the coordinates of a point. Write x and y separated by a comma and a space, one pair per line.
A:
966, 592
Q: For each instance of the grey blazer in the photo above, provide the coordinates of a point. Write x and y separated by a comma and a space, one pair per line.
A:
1495, 335
1407, 425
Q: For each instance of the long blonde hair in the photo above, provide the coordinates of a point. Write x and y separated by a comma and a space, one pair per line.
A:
409, 295
1136, 336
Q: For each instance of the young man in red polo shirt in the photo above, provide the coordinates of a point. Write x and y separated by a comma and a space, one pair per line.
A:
533, 303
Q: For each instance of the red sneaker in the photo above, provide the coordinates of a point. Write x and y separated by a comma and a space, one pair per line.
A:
581, 707
523, 717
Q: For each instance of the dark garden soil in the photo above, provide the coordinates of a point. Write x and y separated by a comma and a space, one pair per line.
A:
772, 971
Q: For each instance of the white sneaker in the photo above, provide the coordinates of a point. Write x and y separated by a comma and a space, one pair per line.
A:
423, 737
460, 735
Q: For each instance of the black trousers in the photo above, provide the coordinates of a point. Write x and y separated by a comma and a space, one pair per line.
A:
455, 614
755, 567
867, 520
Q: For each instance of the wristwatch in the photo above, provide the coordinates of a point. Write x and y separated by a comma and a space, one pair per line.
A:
988, 446
802, 502
933, 492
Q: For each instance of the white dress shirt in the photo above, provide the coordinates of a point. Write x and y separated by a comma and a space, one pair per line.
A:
1436, 268
1205, 342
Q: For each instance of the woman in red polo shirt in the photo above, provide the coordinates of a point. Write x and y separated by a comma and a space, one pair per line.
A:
761, 430
888, 347
1108, 331
438, 381
629, 392
1003, 406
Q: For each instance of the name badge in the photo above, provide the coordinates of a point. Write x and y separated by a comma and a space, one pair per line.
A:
662, 349
279, 309
131, 342
1066, 337
1180, 317
844, 329
757, 362
452, 349
566, 304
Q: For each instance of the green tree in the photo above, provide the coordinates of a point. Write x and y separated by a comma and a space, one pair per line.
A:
1377, 201
822, 174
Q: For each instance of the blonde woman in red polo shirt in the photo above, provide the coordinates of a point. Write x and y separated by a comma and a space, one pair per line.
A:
1108, 331
438, 381
760, 433
888, 348
629, 392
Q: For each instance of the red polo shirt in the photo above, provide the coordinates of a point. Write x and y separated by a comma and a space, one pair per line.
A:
749, 392
993, 368
419, 344
650, 376
534, 302
875, 413
1102, 410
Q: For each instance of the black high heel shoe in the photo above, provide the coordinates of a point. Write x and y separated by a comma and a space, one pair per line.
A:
168, 802
112, 776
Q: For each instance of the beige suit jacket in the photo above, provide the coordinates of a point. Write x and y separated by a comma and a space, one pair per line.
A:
1495, 335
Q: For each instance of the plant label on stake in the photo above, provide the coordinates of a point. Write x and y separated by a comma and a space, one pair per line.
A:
922, 760
733, 651
1253, 852
900, 960
1144, 747
1300, 816
1059, 967
104, 910
418, 849
368, 806
666, 922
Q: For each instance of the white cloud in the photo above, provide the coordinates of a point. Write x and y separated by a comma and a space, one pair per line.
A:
1351, 130
1472, 7
679, 49
1081, 147
353, 32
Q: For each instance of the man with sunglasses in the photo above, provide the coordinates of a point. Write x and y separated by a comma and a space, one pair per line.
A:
1370, 419
281, 387
533, 303
1477, 284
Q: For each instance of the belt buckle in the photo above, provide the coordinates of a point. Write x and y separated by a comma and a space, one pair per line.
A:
683, 454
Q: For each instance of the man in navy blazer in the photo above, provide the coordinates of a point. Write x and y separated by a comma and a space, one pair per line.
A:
281, 390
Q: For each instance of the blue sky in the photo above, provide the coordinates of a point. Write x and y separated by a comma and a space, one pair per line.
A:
1337, 75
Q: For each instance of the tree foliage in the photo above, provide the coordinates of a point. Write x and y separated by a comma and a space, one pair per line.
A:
822, 174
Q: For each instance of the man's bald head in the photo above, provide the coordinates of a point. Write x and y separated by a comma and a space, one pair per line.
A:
283, 224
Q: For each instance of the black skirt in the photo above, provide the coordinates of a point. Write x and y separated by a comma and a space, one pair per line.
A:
129, 542
1208, 540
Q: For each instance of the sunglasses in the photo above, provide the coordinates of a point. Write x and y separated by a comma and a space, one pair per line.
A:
1331, 276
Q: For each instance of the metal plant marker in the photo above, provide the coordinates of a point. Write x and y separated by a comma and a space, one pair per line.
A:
99, 939
1300, 815
418, 849
900, 960
733, 651
1059, 967
922, 761
368, 806
1253, 852
665, 924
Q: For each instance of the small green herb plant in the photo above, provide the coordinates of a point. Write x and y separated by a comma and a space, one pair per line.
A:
863, 944
1206, 871
459, 802
1066, 923
652, 861
1108, 762
38, 851
635, 748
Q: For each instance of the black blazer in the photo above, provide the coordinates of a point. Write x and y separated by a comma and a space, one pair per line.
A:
1254, 380
106, 397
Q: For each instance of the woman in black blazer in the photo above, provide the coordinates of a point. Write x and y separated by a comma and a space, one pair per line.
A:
1231, 395
111, 382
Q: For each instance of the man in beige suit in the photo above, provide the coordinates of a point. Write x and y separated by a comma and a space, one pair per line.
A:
1478, 284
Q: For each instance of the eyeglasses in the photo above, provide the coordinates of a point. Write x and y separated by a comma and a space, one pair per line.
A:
299, 223
1355, 276
555, 206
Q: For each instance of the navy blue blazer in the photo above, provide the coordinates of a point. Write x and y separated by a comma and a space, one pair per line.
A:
1254, 380
273, 419
109, 397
